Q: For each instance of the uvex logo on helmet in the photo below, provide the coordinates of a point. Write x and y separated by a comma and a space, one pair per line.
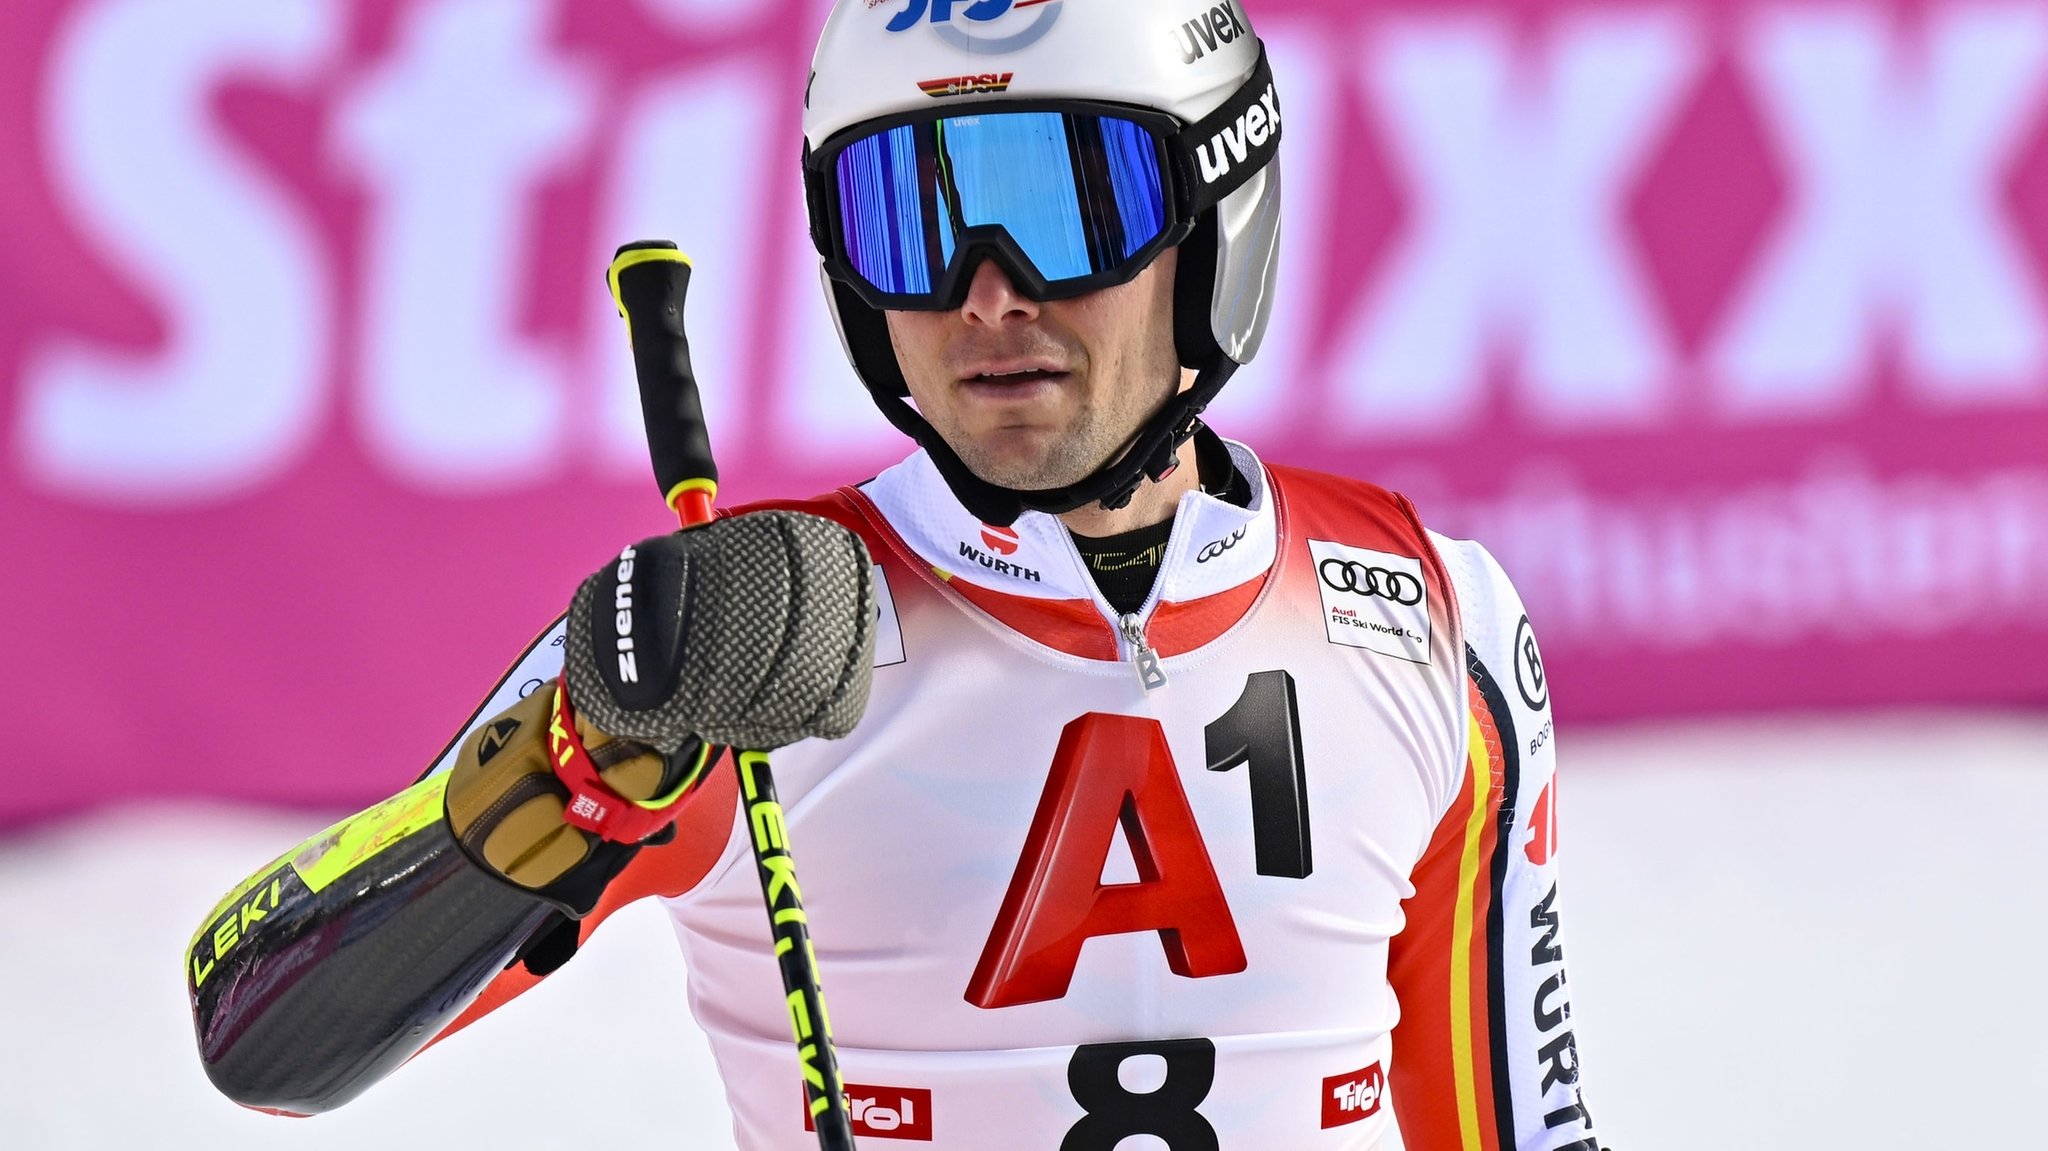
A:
939, 14
1232, 143
1200, 36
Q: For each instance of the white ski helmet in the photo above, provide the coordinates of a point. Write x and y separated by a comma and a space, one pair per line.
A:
1190, 71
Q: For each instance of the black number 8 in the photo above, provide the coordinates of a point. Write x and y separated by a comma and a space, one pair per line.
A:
1115, 1114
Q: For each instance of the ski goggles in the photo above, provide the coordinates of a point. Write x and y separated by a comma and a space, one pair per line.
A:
1066, 196
1066, 200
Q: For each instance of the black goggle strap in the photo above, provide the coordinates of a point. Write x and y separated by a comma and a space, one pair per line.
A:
1222, 150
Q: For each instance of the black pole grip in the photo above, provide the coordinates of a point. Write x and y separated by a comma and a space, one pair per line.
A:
649, 280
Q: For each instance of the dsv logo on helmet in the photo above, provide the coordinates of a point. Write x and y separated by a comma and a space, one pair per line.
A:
1361, 579
940, 13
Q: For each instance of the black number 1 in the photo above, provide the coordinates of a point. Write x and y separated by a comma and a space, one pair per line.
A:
1263, 729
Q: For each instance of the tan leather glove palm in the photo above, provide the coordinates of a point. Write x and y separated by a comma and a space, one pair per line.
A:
505, 804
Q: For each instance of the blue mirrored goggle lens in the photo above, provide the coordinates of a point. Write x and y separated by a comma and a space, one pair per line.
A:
1080, 194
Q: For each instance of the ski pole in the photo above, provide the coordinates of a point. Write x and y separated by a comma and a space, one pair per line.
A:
648, 280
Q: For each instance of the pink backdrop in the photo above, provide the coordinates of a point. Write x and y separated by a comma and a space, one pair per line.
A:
1721, 323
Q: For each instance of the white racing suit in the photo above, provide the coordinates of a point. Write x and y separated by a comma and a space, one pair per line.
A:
1269, 864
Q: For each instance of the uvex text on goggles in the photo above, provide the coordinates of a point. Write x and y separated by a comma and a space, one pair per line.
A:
1066, 196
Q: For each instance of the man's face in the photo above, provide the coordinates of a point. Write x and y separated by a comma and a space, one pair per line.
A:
1038, 395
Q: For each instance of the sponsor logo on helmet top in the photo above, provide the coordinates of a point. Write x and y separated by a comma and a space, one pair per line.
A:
1237, 140
1349, 1098
966, 85
1002, 540
988, 41
1198, 37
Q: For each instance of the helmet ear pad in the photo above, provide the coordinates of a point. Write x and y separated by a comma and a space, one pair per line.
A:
1194, 338
865, 331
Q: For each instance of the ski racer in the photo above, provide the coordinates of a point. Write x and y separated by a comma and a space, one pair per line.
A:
1179, 793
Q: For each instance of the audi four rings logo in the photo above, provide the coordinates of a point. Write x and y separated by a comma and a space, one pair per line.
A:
1215, 548
1365, 580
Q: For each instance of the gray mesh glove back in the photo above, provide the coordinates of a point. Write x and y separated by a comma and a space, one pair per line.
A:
754, 631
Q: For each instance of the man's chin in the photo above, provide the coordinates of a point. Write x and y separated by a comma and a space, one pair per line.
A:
1027, 476
1029, 481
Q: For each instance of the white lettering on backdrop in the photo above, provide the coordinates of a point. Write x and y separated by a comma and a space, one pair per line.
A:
1899, 149
1513, 150
231, 265
452, 134
1518, 167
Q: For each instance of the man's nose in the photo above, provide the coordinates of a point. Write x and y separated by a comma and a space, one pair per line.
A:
992, 299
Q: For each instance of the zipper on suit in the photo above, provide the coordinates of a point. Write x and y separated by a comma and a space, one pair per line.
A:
1145, 661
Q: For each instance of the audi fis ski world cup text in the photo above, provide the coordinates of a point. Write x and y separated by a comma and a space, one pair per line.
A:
1372, 599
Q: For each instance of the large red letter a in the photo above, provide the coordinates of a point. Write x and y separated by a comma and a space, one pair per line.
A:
1108, 768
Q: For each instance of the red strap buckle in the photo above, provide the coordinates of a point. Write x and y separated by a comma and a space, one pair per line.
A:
593, 806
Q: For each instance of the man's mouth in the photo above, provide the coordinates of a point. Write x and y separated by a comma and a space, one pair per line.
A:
1027, 376
1012, 374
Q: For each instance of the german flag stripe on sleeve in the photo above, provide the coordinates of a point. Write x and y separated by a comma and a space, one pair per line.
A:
1450, 1072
